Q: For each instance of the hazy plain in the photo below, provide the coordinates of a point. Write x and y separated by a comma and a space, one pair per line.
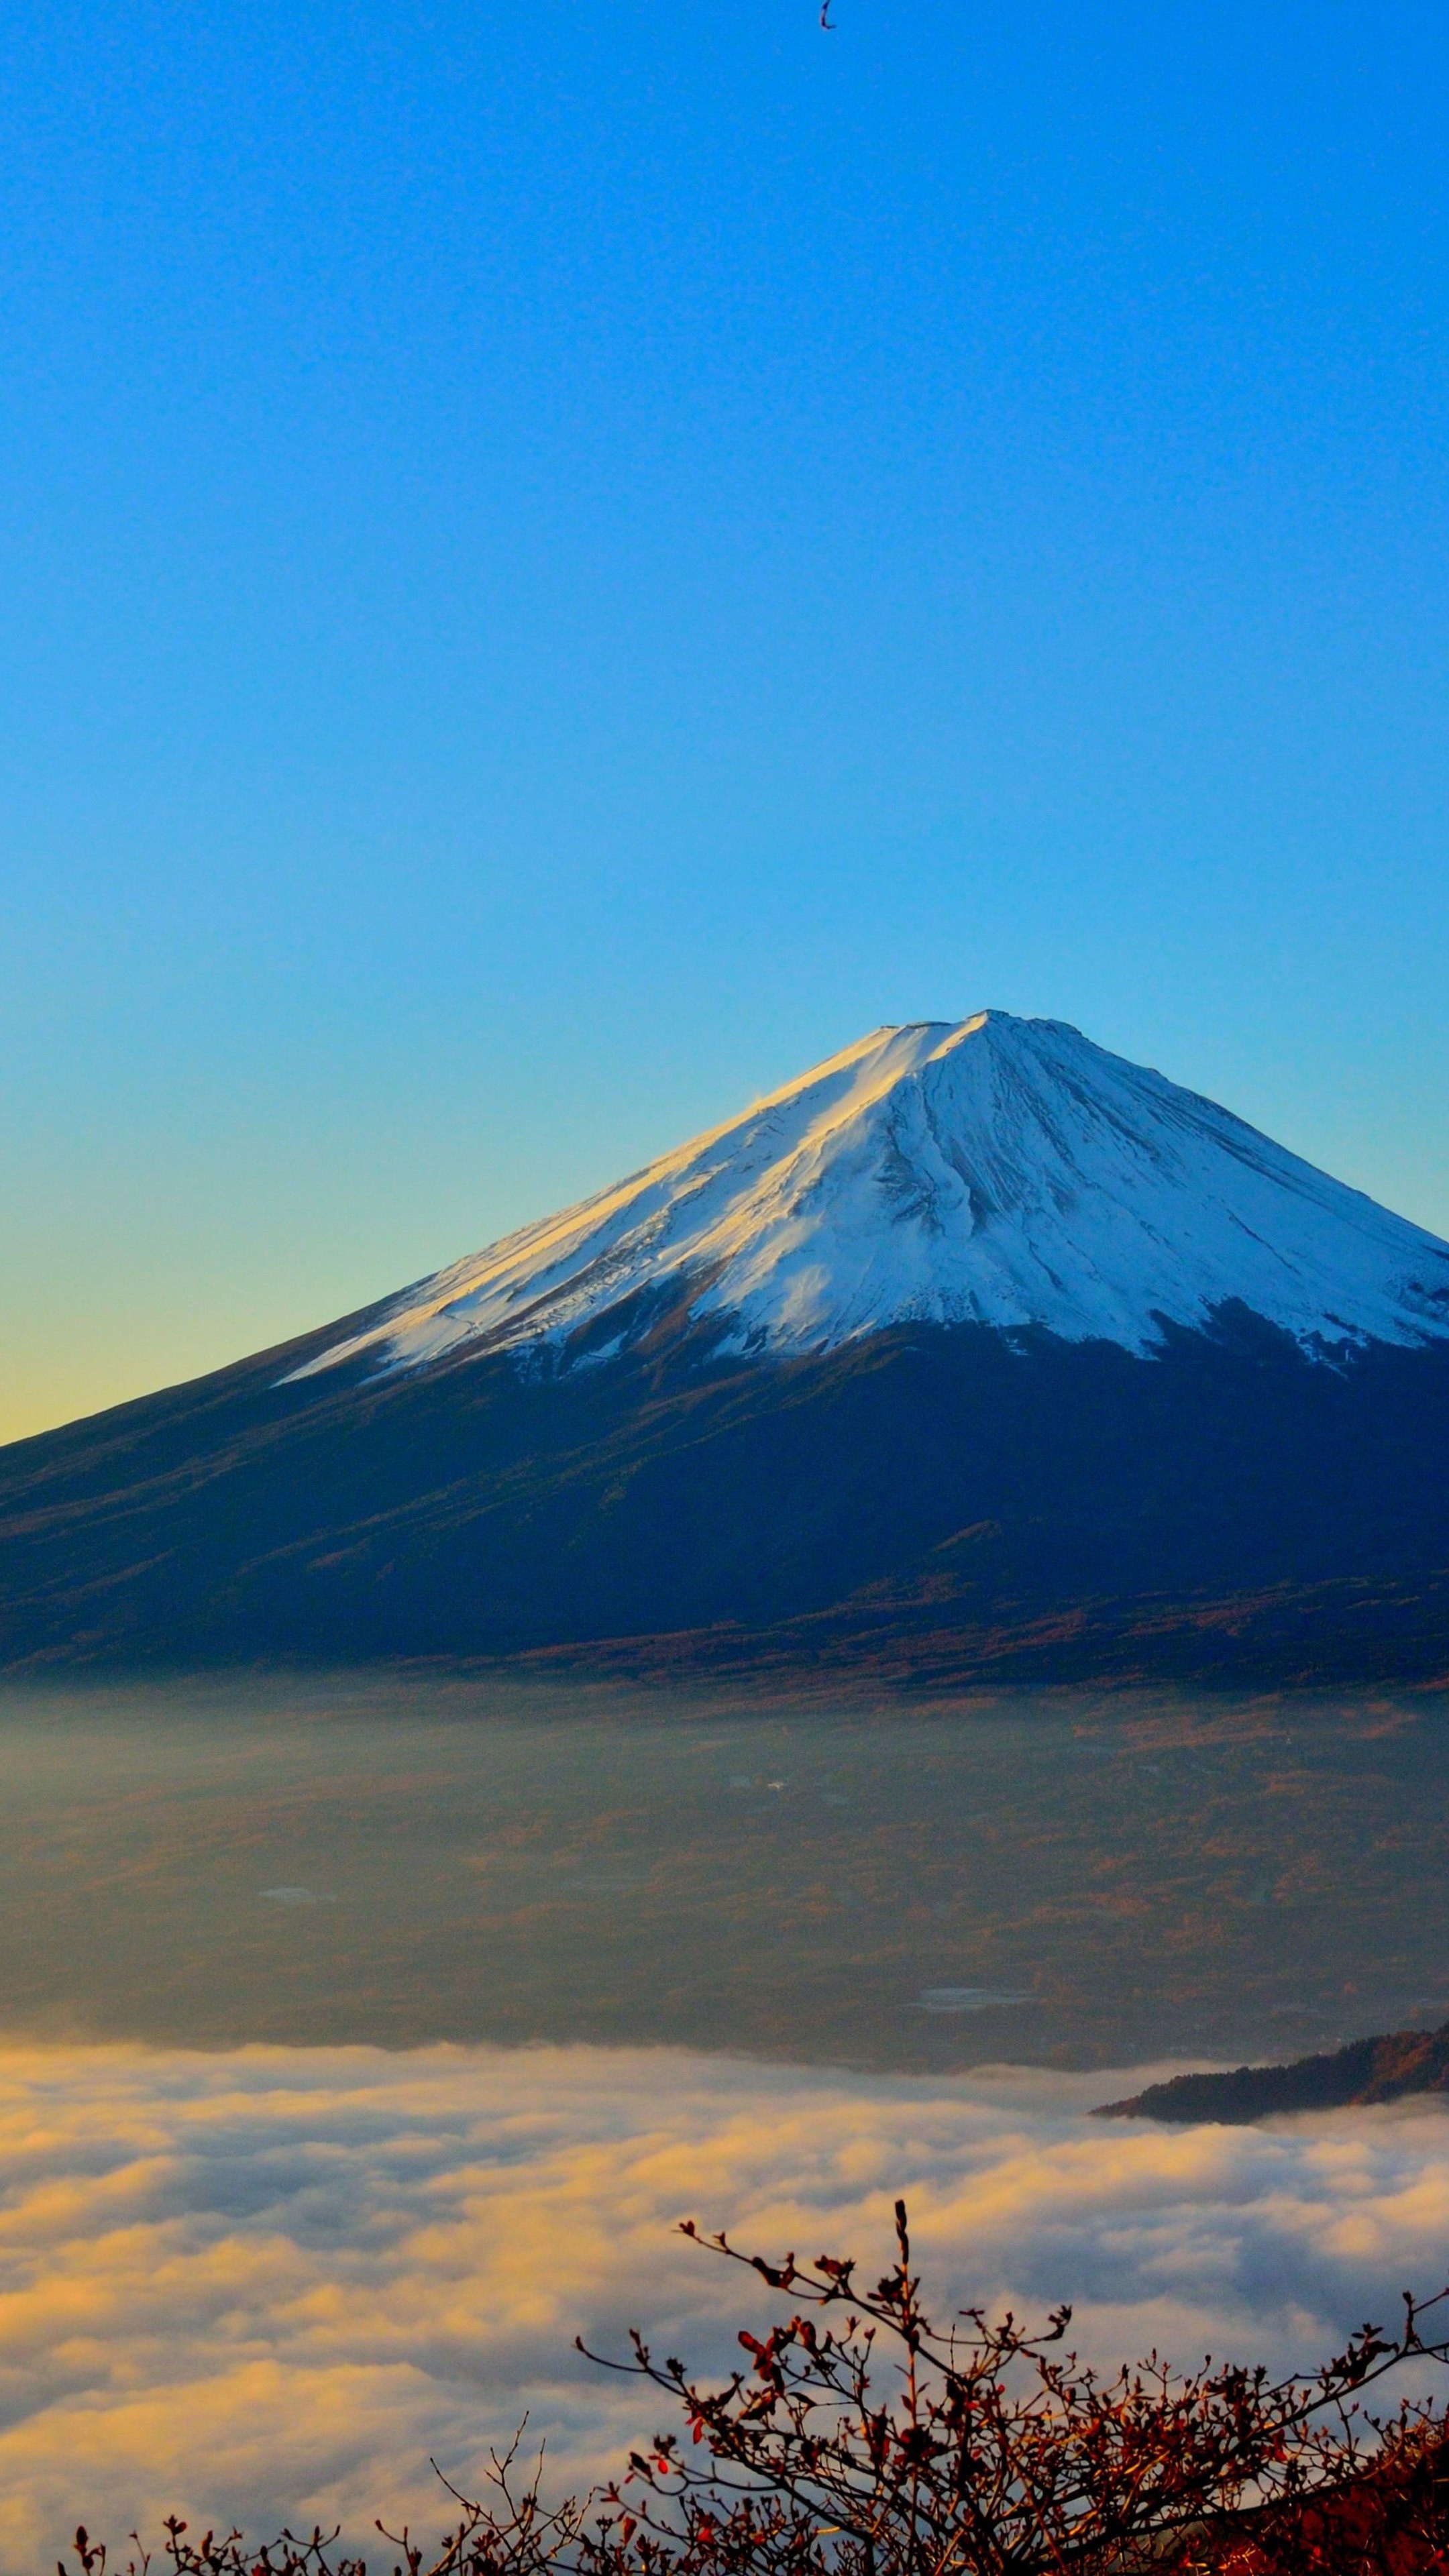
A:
365, 2039
1049, 1878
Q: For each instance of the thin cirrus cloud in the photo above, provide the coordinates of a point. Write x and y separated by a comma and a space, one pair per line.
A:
268, 2284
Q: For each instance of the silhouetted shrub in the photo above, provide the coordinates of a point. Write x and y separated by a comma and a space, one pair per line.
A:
858, 2438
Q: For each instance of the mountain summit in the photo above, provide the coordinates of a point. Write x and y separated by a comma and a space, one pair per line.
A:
977, 1353
993, 1171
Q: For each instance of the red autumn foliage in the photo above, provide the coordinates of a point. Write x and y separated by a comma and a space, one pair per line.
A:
858, 2438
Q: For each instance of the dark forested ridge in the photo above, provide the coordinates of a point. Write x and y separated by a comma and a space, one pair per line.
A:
1368, 2070
929, 1503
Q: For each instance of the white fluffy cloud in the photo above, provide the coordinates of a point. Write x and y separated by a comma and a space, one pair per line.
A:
267, 2284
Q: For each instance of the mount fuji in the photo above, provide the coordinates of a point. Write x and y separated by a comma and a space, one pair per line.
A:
998, 1171
977, 1351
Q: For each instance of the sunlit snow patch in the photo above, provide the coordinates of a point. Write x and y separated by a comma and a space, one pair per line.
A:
995, 1171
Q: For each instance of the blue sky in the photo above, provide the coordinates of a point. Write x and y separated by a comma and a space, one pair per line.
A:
558, 565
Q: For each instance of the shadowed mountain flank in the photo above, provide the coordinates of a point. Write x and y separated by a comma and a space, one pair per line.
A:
943, 1363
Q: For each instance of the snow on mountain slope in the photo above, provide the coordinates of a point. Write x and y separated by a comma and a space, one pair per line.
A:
1000, 1171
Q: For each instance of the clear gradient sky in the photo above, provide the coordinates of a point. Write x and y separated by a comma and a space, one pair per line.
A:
557, 564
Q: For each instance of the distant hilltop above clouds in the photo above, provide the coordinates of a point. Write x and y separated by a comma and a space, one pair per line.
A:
975, 1353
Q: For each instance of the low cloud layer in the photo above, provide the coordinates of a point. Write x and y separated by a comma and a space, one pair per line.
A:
266, 2285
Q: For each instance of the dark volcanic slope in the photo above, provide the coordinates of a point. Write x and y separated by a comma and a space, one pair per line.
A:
974, 1351
1368, 2070
941, 1500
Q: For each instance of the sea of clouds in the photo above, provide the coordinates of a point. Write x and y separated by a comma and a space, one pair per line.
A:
267, 2285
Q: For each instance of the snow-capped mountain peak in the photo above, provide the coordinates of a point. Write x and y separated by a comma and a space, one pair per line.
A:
994, 1170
